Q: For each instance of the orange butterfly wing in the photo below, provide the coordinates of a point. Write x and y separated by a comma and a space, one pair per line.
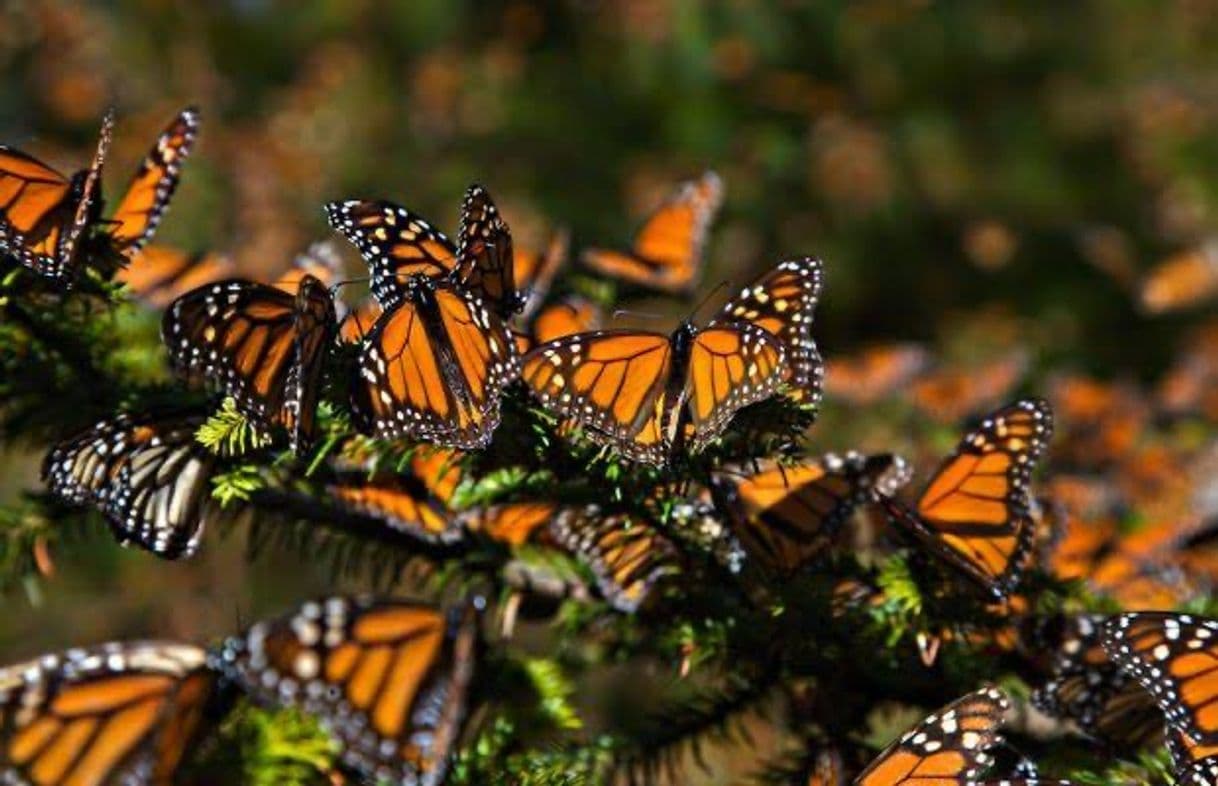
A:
947, 749
1175, 657
567, 317
397, 244
484, 257
160, 274
786, 515
260, 345
668, 249
874, 373
147, 197
629, 558
783, 303
513, 523
387, 678
612, 382
730, 367
42, 213
434, 369
974, 512
1088, 688
121, 712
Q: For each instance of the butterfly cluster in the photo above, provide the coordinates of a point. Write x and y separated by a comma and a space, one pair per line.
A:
463, 410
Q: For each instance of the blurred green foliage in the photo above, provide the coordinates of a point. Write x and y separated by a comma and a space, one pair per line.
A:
940, 156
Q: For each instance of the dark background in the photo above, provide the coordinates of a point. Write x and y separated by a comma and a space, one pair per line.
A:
975, 175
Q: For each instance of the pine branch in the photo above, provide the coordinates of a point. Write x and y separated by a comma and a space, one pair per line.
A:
713, 714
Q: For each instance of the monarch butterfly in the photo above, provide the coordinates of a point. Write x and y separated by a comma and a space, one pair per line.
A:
535, 271
415, 502
400, 246
1181, 281
261, 345
667, 252
949, 394
949, 746
1195, 765
433, 368
1175, 657
974, 512
387, 678
1090, 690
629, 558
160, 274
145, 473
115, 713
652, 396
513, 523
786, 515
874, 373
45, 216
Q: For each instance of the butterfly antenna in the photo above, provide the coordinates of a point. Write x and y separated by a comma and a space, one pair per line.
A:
702, 303
625, 312
360, 280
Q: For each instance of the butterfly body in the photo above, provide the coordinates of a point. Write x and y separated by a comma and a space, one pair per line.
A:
434, 367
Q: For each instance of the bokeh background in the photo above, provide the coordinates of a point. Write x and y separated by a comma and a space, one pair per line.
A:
979, 177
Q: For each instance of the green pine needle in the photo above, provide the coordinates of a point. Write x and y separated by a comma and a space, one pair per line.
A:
228, 432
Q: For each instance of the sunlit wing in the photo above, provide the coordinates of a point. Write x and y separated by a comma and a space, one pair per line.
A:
974, 512
783, 303
434, 369
667, 253
147, 197
730, 367
611, 382
948, 748
43, 214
